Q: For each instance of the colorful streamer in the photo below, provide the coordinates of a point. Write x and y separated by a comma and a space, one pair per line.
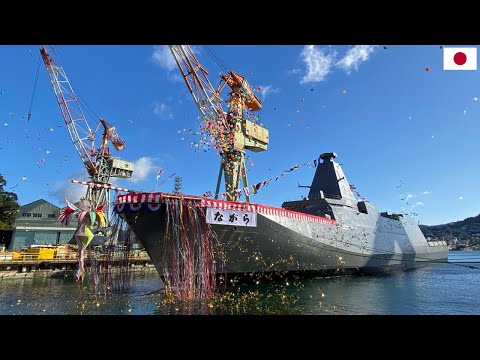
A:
191, 248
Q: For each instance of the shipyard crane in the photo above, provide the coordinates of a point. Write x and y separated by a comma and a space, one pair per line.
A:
232, 131
100, 164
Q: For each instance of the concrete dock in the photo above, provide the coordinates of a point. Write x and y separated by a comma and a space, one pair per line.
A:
30, 265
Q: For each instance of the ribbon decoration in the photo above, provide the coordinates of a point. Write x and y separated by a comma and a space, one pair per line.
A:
83, 235
254, 188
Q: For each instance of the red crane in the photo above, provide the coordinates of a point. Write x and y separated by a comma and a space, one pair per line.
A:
231, 131
99, 163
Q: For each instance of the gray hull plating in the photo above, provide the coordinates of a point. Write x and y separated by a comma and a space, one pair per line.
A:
358, 238
283, 244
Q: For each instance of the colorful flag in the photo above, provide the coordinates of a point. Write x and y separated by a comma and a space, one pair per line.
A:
459, 58
159, 172
66, 212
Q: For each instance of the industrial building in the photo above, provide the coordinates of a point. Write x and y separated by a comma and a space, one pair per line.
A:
37, 224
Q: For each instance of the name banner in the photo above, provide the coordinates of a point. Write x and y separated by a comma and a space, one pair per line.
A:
231, 217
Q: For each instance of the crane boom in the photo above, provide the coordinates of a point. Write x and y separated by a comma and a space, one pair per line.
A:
204, 94
231, 132
99, 163
82, 136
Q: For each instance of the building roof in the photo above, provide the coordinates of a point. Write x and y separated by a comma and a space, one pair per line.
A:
36, 203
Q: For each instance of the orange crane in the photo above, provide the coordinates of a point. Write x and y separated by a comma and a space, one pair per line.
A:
99, 163
231, 131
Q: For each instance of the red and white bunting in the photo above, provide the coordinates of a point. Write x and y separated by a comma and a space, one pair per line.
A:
104, 186
158, 198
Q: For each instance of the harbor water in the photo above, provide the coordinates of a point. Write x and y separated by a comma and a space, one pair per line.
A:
441, 289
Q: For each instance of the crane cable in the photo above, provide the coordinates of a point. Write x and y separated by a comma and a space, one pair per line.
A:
88, 108
80, 98
34, 90
220, 63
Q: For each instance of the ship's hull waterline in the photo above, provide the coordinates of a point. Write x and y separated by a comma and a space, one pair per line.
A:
330, 231
280, 244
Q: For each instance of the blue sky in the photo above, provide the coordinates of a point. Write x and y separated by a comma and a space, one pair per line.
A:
407, 138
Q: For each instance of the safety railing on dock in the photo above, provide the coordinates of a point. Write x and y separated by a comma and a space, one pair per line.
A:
19, 258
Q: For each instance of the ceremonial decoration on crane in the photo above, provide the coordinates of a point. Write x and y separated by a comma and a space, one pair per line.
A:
99, 162
231, 132
93, 210
110, 268
87, 219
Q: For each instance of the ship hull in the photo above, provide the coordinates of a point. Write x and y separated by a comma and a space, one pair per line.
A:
291, 242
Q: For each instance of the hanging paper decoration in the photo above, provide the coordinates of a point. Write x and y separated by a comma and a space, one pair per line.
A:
66, 212
193, 254
83, 235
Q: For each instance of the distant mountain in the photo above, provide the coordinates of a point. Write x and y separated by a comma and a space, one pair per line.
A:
466, 231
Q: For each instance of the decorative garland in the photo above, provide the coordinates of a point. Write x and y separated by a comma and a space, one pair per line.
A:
109, 268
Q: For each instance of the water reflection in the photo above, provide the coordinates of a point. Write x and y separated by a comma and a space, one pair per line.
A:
435, 289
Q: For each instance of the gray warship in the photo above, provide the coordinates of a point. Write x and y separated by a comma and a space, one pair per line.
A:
330, 232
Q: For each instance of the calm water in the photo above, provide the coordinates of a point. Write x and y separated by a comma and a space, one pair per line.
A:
436, 289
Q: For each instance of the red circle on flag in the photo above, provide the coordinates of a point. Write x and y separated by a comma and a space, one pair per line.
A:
460, 58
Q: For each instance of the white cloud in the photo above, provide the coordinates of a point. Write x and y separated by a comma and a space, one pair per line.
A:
419, 203
409, 196
426, 192
67, 190
318, 63
355, 56
460, 198
266, 90
142, 169
162, 56
162, 110
294, 72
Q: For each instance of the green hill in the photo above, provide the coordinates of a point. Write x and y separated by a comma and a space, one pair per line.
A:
466, 231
